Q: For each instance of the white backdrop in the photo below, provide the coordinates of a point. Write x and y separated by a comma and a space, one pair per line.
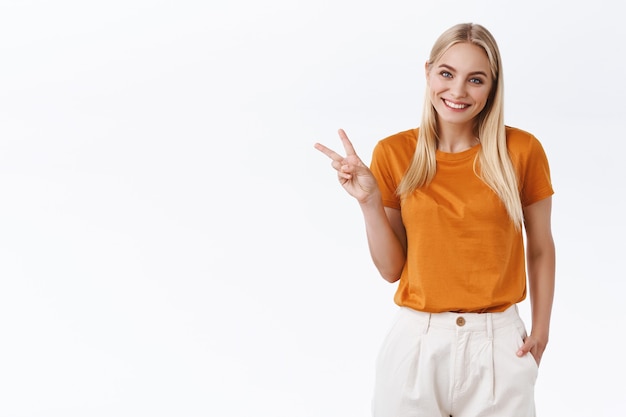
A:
172, 245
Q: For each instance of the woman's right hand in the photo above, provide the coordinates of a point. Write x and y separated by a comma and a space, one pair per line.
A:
354, 176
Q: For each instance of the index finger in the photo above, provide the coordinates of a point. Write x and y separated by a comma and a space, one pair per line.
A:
328, 152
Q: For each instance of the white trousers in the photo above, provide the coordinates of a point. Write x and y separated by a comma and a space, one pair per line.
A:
454, 364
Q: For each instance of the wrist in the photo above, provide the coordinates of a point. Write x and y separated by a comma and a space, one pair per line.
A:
372, 202
540, 336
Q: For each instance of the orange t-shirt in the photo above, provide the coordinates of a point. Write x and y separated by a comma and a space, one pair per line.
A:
463, 253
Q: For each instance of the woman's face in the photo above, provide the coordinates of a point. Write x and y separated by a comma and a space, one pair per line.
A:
460, 83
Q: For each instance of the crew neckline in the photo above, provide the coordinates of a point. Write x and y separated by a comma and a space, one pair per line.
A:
457, 156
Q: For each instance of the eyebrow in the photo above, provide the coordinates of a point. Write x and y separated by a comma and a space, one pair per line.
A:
471, 73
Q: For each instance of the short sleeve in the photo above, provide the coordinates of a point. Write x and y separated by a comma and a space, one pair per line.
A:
536, 183
383, 171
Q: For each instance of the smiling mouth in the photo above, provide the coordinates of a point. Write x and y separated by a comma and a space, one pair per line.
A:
455, 105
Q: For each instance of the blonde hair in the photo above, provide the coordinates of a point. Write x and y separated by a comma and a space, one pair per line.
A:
495, 167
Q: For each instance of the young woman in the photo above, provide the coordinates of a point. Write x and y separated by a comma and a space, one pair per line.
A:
446, 207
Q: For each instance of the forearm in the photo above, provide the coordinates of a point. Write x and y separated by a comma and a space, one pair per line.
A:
387, 249
541, 277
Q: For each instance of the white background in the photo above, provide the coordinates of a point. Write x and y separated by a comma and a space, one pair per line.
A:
172, 245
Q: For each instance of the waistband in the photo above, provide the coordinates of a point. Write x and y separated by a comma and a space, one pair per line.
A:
465, 321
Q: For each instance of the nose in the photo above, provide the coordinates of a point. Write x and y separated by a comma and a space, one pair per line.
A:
457, 88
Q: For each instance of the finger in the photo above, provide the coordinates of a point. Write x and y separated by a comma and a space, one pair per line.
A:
347, 145
328, 152
346, 169
526, 347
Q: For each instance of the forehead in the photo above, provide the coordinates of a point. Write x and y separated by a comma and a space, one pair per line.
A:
465, 56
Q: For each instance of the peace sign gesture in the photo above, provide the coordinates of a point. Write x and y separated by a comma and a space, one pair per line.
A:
355, 177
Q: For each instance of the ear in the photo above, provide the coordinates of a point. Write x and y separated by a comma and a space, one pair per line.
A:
426, 72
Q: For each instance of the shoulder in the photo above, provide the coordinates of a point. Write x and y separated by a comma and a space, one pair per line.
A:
516, 136
521, 142
399, 142
393, 154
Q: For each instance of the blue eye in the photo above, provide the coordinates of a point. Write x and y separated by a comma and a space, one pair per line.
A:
476, 81
446, 74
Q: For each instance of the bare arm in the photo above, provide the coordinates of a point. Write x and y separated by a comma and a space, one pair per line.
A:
385, 233
386, 239
541, 262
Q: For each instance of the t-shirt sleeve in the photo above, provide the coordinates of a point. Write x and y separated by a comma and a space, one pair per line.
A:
382, 169
536, 181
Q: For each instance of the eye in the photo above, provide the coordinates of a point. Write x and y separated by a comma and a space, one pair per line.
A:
476, 81
445, 74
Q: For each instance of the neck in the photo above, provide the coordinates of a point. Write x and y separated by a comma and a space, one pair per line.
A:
453, 139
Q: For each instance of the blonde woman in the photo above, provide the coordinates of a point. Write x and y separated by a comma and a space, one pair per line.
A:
446, 208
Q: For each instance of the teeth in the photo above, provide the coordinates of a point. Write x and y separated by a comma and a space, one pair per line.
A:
455, 106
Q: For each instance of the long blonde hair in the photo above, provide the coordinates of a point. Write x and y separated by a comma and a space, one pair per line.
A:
495, 167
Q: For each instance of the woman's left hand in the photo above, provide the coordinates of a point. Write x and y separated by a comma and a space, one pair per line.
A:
534, 346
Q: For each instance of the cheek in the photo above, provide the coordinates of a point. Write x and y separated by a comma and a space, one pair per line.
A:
482, 104
435, 85
481, 97
435, 89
